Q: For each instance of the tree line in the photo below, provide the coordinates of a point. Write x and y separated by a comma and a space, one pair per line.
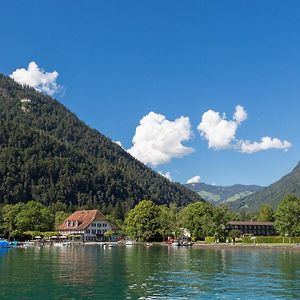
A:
148, 221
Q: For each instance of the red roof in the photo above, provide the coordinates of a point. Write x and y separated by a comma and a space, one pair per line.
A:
84, 219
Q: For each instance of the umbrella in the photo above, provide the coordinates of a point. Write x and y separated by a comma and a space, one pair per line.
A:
37, 237
54, 237
63, 237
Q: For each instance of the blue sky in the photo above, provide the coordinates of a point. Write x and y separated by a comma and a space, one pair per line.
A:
120, 60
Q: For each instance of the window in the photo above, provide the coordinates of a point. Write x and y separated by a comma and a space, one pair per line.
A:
98, 231
87, 231
93, 231
99, 225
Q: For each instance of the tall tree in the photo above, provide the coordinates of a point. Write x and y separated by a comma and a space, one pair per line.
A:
142, 222
196, 217
9, 215
35, 216
287, 216
219, 222
169, 220
266, 213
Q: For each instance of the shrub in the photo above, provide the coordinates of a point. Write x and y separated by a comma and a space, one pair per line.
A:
209, 239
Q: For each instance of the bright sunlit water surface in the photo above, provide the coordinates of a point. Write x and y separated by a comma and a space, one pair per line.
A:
157, 272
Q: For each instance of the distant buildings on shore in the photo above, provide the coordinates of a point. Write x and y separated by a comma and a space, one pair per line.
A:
91, 225
253, 228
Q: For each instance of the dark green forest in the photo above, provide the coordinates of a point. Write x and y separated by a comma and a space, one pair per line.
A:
271, 195
49, 155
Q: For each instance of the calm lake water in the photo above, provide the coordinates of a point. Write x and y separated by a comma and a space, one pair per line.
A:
158, 272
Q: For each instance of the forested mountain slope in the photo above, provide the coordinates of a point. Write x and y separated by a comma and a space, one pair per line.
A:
222, 194
273, 194
48, 154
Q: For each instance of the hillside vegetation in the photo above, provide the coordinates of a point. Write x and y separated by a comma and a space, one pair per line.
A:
48, 154
273, 194
223, 194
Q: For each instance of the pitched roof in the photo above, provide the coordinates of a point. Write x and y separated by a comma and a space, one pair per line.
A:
250, 223
84, 219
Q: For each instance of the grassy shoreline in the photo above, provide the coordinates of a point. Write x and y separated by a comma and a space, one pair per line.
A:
287, 246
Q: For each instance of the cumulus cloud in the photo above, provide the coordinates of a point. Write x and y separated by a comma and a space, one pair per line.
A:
195, 179
166, 175
217, 130
37, 78
157, 140
221, 133
265, 144
240, 114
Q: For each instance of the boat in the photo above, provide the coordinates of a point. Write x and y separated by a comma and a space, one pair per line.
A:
183, 242
4, 244
61, 244
129, 243
175, 243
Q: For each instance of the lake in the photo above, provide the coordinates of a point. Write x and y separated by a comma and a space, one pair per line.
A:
157, 272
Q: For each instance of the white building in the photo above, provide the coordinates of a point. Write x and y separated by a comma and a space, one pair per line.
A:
90, 224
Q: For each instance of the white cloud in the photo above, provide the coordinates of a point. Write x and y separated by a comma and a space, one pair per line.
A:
157, 140
221, 133
195, 179
240, 114
37, 78
265, 144
166, 175
217, 130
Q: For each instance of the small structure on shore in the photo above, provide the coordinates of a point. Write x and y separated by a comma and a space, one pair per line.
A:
90, 224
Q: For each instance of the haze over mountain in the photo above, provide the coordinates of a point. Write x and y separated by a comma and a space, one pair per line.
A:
273, 194
49, 155
223, 194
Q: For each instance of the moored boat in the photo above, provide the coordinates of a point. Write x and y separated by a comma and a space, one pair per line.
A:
4, 244
129, 243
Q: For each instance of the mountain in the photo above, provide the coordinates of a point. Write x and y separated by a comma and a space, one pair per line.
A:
274, 193
223, 194
48, 154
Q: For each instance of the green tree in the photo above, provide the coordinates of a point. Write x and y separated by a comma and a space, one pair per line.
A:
9, 215
266, 213
35, 216
142, 222
196, 217
219, 222
287, 216
169, 220
60, 216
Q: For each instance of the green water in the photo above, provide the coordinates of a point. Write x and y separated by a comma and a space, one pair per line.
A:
158, 272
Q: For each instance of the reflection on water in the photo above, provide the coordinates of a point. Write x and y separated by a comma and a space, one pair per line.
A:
93, 272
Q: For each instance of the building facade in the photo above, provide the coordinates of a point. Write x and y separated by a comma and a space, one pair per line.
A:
253, 228
91, 225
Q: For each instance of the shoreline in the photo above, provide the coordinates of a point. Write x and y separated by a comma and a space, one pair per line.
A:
247, 246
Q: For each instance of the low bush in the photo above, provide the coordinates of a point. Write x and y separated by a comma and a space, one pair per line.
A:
209, 239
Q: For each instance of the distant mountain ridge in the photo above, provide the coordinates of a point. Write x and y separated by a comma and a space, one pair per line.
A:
273, 194
48, 154
223, 194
